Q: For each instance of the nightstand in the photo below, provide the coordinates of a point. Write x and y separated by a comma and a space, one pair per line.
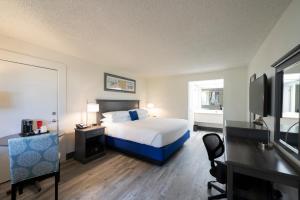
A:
89, 143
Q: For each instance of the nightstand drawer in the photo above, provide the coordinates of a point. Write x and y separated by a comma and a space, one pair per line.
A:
94, 133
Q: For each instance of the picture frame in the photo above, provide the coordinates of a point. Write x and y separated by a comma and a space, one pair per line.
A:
116, 83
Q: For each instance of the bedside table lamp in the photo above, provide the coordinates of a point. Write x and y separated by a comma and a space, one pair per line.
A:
91, 108
150, 105
151, 108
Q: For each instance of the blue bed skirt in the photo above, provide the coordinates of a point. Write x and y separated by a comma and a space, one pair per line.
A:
158, 155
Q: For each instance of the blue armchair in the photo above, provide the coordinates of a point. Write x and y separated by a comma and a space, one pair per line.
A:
33, 158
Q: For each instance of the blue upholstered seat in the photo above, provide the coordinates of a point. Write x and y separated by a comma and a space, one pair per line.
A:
32, 157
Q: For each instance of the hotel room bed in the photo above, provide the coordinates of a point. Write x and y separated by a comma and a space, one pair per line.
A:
152, 139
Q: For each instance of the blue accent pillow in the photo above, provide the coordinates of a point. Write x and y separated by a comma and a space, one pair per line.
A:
133, 115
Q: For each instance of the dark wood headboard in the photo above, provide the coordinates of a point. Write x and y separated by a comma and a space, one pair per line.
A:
108, 105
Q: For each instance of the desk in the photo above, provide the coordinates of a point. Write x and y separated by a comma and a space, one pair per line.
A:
245, 157
246, 130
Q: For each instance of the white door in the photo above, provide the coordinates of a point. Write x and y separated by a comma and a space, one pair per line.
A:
26, 92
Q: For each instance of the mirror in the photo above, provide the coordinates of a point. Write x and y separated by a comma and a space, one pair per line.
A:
212, 99
287, 102
289, 121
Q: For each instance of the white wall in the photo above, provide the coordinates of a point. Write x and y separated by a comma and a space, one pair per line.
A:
84, 81
284, 36
79, 81
170, 94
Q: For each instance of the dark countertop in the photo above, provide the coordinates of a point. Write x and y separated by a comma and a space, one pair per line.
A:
244, 125
246, 153
91, 128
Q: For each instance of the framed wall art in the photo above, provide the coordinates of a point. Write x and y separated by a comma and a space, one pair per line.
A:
119, 84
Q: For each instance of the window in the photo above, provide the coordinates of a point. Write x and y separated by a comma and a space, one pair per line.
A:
289, 121
212, 99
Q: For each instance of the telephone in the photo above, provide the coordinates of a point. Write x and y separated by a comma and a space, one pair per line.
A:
81, 126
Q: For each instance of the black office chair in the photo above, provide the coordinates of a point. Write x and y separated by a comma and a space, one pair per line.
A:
215, 148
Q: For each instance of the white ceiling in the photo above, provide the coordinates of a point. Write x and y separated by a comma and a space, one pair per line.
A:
150, 37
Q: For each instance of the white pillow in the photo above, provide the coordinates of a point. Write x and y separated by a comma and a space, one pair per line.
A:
116, 116
110, 120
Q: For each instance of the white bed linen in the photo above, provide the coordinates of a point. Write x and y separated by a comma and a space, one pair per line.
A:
157, 132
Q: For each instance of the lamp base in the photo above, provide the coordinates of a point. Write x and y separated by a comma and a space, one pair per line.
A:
264, 146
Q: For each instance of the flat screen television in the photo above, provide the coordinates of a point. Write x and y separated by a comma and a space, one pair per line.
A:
258, 97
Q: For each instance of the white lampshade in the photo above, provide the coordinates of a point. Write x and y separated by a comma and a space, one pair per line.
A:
150, 105
92, 107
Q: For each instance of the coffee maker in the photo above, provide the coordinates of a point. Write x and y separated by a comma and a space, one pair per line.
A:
26, 126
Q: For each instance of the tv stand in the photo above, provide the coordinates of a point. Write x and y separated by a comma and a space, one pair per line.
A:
246, 130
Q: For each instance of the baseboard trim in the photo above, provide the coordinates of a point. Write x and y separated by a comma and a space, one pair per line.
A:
70, 155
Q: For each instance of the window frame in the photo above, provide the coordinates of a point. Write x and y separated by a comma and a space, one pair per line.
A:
289, 59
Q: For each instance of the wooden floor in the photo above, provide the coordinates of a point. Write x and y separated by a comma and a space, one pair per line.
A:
117, 176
